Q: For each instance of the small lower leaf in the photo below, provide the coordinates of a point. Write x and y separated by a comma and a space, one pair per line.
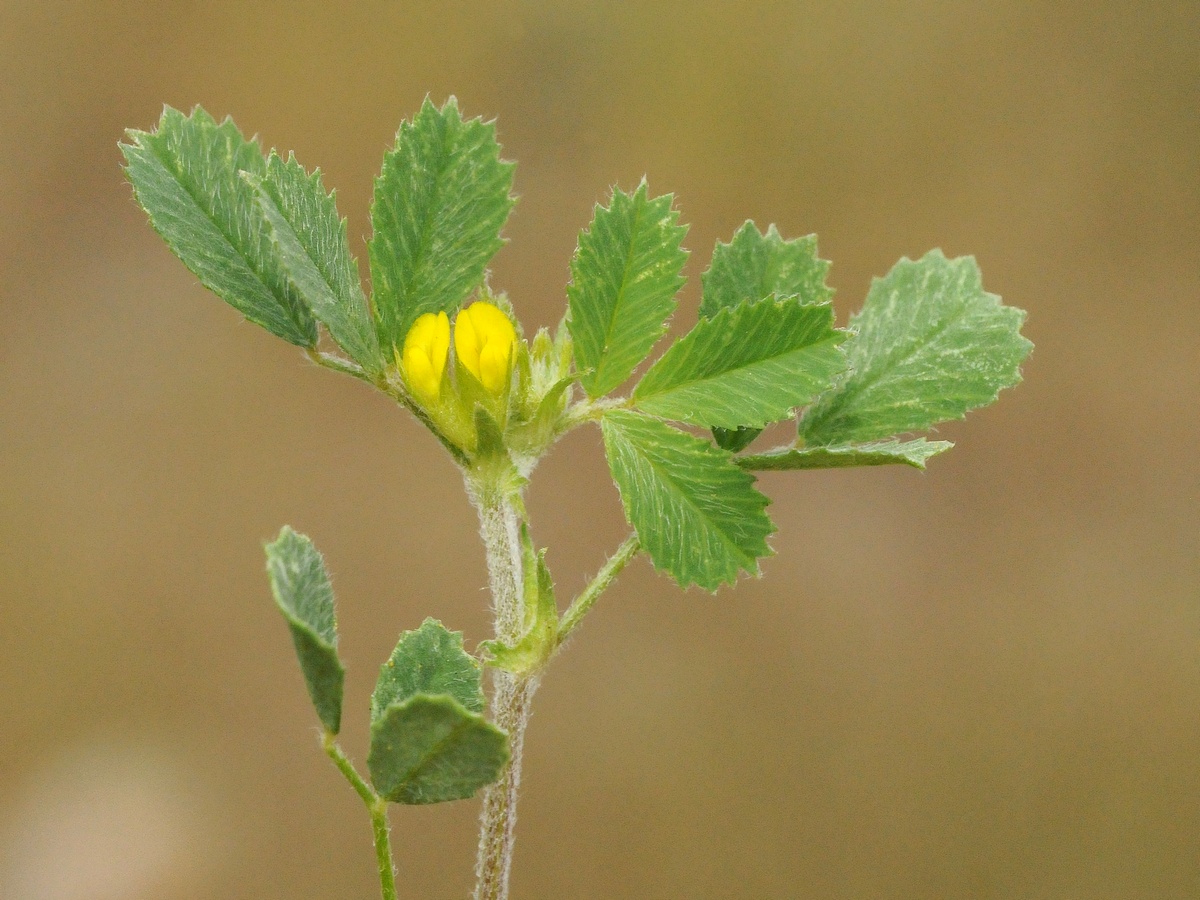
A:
430, 749
430, 660
881, 453
305, 597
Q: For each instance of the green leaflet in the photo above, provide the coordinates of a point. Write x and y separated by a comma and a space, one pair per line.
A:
304, 596
429, 749
697, 515
751, 364
930, 345
624, 278
187, 176
430, 660
882, 453
313, 250
440, 204
753, 266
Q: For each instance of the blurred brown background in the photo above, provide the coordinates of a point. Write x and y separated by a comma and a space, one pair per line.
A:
982, 682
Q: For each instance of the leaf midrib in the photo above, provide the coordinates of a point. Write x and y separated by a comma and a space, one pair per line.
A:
605, 350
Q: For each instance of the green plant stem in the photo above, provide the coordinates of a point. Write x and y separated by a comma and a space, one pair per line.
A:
512, 695
376, 806
604, 578
511, 706
383, 849
500, 528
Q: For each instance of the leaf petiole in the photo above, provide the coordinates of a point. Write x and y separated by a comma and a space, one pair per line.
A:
339, 364
598, 585
591, 410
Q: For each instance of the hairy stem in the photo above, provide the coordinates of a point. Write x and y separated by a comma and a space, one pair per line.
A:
376, 806
511, 703
383, 849
500, 527
512, 695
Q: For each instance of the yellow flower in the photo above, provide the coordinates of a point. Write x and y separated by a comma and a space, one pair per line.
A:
424, 358
483, 340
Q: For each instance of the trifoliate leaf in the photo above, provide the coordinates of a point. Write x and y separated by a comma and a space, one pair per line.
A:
430, 660
304, 596
882, 453
428, 740
315, 253
624, 278
440, 204
753, 266
429, 749
696, 514
751, 364
931, 345
187, 176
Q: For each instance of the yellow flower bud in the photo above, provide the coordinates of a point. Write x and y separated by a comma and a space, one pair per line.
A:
424, 358
484, 339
